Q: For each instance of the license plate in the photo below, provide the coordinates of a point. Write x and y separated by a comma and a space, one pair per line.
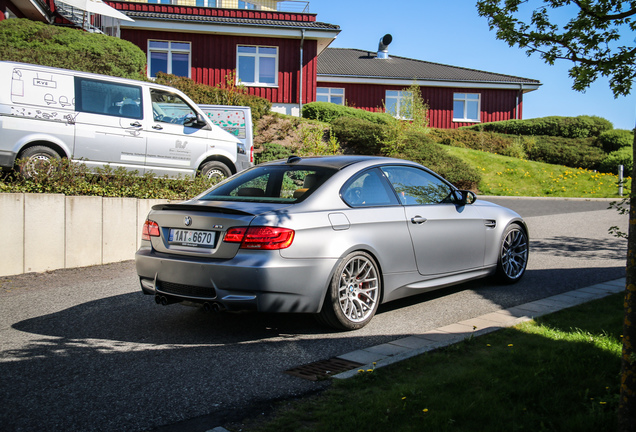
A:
192, 238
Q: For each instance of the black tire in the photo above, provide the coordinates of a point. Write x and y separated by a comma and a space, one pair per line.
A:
38, 160
215, 170
354, 293
513, 254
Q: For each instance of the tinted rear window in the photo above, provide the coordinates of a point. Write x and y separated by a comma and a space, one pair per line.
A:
284, 184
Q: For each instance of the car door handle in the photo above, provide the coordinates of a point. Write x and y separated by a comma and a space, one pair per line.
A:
136, 124
157, 127
418, 220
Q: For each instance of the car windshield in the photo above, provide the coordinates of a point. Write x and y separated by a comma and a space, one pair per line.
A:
272, 183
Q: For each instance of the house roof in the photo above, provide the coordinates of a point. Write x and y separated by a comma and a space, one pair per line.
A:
227, 20
354, 64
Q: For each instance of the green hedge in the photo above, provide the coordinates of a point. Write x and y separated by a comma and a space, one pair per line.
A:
27, 41
432, 155
616, 139
205, 94
328, 112
72, 178
581, 153
624, 156
362, 136
567, 127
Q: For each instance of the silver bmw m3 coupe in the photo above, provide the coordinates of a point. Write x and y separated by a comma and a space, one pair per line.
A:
331, 236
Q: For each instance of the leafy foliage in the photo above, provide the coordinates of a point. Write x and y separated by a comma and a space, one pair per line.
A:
421, 150
616, 139
616, 158
228, 94
27, 41
71, 178
567, 127
328, 112
361, 135
589, 38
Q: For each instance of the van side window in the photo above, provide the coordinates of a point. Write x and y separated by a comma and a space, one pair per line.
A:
102, 97
170, 108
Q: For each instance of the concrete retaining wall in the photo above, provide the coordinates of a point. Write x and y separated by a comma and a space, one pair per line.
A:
41, 232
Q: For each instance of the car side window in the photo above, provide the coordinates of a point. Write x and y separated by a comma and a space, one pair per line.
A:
367, 189
415, 186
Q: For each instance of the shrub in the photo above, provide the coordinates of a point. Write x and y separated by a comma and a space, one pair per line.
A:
71, 178
581, 153
328, 112
612, 161
615, 139
27, 41
228, 95
418, 148
567, 127
361, 136
476, 140
272, 151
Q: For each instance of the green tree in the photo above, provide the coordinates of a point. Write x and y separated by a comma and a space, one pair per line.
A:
589, 37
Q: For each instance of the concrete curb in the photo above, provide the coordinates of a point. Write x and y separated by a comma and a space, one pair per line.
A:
411, 346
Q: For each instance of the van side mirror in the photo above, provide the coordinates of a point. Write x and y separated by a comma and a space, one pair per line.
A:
195, 120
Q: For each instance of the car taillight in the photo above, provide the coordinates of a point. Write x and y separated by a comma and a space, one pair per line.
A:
252, 154
264, 238
150, 229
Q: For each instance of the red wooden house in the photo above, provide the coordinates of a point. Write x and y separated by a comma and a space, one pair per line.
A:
278, 50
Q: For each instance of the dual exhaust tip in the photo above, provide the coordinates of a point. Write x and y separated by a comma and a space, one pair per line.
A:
208, 307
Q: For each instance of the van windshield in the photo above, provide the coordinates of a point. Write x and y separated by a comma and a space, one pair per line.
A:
271, 184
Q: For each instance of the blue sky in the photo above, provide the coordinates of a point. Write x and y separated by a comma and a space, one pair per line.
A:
451, 32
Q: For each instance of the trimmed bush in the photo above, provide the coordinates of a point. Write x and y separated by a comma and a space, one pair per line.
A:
432, 155
205, 94
616, 139
328, 112
581, 153
272, 151
566, 127
624, 156
27, 41
359, 135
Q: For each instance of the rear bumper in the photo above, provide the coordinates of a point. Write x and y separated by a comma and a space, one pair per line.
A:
253, 280
7, 158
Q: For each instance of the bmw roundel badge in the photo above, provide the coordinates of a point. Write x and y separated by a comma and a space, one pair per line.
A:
187, 221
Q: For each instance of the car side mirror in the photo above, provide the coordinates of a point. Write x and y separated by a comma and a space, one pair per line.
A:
463, 197
192, 120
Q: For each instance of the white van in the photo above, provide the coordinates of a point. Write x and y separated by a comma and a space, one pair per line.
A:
101, 120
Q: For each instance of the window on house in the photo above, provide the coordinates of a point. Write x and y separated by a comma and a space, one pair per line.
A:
466, 107
257, 65
169, 57
206, 3
333, 95
398, 103
246, 5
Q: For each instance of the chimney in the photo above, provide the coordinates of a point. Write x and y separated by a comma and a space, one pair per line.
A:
383, 47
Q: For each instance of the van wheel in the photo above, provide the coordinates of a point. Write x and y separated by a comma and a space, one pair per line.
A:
38, 161
215, 170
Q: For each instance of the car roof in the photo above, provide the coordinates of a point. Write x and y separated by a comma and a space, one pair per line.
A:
333, 162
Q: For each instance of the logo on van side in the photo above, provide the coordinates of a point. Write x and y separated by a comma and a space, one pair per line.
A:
180, 145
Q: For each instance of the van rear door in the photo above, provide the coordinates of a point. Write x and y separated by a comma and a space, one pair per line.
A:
109, 127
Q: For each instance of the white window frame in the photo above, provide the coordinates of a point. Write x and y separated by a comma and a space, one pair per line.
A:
257, 56
329, 92
170, 50
464, 97
401, 95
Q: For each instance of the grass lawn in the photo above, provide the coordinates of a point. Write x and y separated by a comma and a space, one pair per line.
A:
508, 176
557, 373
